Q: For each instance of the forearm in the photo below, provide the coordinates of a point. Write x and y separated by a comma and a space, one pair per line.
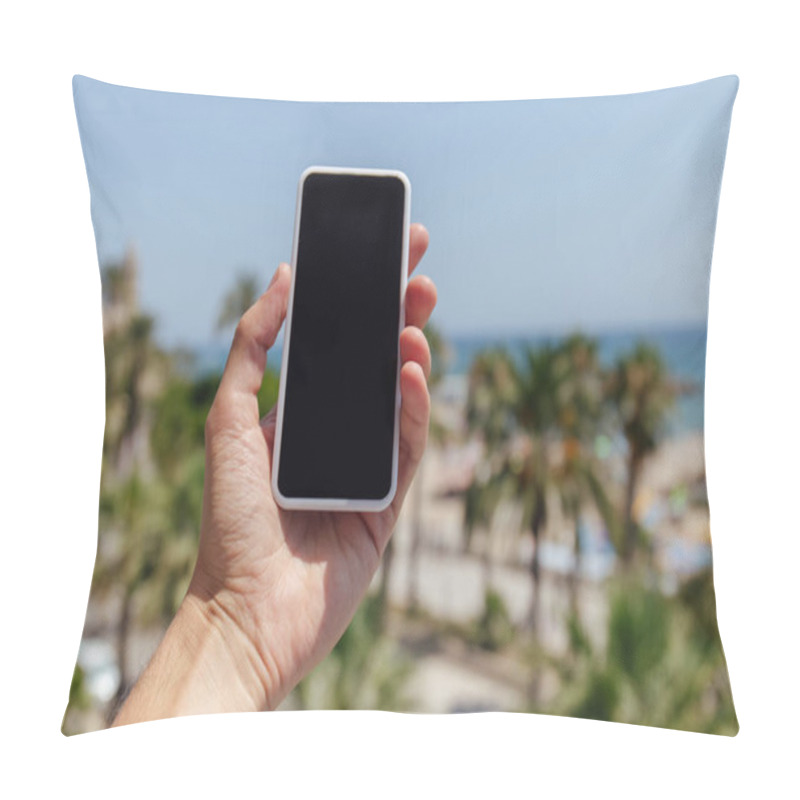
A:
202, 666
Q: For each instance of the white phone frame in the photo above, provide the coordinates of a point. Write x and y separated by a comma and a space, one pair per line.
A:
324, 503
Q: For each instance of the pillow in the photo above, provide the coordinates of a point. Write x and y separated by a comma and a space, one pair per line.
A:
553, 554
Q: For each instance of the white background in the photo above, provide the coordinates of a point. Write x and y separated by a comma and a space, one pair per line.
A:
52, 390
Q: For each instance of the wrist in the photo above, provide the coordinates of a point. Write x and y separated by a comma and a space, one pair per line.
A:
203, 665
236, 669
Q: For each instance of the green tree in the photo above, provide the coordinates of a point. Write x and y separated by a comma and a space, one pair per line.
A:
515, 408
491, 394
660, 665
151, 518
538, 417
151, 489
493, 628
577, 475
179, 418
641, 394
143, 561
135, 369
135, 372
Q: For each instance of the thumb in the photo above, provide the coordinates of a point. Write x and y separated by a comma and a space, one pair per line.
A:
255, 334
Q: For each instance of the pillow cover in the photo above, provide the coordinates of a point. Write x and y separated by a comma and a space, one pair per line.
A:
553, 554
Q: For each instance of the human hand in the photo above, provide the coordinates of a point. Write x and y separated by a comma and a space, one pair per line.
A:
274, 590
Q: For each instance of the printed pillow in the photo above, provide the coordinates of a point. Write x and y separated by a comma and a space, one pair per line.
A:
553, 554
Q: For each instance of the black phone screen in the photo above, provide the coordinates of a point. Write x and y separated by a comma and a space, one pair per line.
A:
340, 395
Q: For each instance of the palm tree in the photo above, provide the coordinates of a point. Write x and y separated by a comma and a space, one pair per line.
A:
133, 367
440, 355
124, 515
537, 412
482, 498
147, 555
491, 397
135, 370
489, 413
137, 548
515, 410
580, 409
150, 520
641, 393
538, 419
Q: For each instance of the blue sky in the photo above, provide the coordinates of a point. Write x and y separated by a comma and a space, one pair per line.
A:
544, 216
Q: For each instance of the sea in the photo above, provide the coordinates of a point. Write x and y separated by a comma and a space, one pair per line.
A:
682, 348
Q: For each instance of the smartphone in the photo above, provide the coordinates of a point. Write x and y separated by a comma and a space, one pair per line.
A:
338, 419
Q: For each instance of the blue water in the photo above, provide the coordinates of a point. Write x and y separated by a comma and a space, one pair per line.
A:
683, 351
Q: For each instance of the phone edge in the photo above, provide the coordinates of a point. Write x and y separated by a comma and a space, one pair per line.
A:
341, 504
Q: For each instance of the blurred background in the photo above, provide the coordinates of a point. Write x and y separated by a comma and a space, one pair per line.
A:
553, 554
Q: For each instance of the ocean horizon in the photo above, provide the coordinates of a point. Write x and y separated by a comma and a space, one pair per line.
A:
683, 349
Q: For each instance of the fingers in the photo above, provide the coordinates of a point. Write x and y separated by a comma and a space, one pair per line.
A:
420, 300
414, 347
420, 290
415, 411
414, 417
268, 423
415, 356
255, 334
260, 325
417, 244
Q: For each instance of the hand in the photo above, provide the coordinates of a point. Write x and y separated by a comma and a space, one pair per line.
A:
274, 590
